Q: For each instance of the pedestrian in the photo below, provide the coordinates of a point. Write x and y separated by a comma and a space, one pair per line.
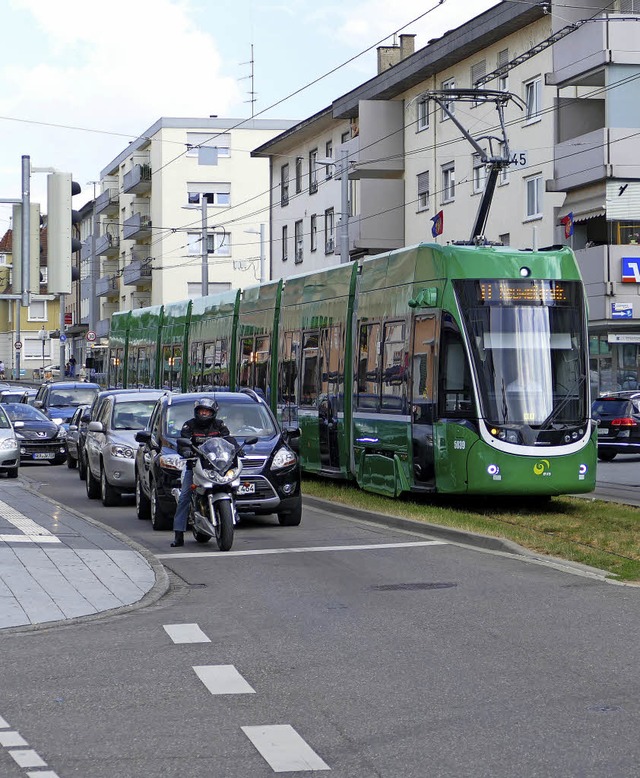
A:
203, 425
67, 370
1, 369
72, 366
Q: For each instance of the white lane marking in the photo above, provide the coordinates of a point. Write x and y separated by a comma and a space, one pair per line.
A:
308, 549
223, 679
186, 633
284, 749
40, 774
12, 738
27, 758
31, 531
4, 724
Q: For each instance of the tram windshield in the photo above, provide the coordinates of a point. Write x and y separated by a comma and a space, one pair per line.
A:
527, 342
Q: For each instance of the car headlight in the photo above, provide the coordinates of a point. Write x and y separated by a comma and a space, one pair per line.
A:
62, 433
172, 462
19, 436
124, 452
284, 458
57, 420
9, 443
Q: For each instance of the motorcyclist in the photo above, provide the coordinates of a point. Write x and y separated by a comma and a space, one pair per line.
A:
203, 425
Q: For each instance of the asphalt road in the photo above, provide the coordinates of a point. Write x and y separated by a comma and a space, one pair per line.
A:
402, 659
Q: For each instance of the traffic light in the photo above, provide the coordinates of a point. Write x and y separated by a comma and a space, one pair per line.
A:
34, 249
61, 243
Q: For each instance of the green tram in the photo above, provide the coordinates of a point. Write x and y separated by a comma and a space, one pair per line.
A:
454, 369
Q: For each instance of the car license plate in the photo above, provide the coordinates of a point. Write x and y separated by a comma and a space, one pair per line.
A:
45, 455
603, 431
247, 488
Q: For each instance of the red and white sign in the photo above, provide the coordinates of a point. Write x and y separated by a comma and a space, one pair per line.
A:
91, 336
17, 345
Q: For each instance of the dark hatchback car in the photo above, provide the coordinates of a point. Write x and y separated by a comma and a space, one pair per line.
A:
270, 479
59, 400
77, 425
39, 438
618, 417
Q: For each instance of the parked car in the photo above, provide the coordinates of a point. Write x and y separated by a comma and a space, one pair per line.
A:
59, 400
618, 417
110, 445
29, 396
39, 438
9, 450
79, 421
13, 395
270, 479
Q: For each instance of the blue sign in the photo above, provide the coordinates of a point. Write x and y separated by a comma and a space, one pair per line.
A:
631, 270
621, 311
63, 337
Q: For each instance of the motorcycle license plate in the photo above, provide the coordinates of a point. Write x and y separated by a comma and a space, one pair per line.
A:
247, 488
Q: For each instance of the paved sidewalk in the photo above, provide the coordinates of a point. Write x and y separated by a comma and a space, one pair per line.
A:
56, 564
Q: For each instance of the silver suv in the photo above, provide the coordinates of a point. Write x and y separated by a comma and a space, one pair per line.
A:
110, 446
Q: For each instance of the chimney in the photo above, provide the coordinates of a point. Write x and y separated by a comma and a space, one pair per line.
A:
407, 46
388, 56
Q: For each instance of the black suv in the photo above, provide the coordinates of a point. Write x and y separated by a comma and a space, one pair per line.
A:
59, 400
270, 479
618, 417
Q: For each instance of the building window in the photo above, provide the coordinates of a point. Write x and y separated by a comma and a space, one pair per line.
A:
298, 175
532, 99
194, 289
534, 197
284, 185
214, 194
328, 153
298, 241
423, 115
313, 230
449, 84
37, 310
503, 79
218, 244
423, 191
505, 238
346, 136
285, 243
478, 71
212, 139
448, 182
479, 174
329, 243
313, 171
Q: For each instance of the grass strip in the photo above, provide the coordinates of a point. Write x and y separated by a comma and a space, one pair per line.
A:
592, 532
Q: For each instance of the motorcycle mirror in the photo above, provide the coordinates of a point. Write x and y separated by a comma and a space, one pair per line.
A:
184, 442
250, 441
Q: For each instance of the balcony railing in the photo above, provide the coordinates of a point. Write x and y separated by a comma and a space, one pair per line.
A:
102, 328
107, 244
107, 285
137, 227
137, 273
108, 201
137, 180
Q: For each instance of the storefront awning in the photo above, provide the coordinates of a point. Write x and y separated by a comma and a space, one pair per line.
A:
586, 202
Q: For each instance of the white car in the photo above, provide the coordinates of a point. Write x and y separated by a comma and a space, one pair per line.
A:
9, 449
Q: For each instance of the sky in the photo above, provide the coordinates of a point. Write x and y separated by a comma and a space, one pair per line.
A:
79, 80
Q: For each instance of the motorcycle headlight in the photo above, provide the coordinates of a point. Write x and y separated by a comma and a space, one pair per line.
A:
284, 458
9, 443
172, 462
229, 476
124, 452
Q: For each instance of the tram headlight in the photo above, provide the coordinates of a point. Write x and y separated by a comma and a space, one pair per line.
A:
525, 272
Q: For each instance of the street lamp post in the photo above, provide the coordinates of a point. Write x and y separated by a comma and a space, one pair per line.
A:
43, 338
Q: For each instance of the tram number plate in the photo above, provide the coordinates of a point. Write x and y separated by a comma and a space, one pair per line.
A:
46, 455
247, 488
603, 431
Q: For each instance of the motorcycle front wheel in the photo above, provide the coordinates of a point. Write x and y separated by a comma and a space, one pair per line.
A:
224, 527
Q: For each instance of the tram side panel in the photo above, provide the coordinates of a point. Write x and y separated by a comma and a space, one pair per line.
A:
211, 348
142, 355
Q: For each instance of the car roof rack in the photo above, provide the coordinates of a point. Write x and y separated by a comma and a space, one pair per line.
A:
252, 393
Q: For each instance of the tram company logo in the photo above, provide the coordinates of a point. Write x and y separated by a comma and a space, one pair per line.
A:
542, 467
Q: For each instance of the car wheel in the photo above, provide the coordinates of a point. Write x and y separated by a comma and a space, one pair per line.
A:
143, 507
82, 467
606, 456
12, 472
93, 485
160, 519
291, 518
72, 462
110, 495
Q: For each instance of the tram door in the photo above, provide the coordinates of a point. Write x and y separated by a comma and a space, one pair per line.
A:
329, 397
423, 401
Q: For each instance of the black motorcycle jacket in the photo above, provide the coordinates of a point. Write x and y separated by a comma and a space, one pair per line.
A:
198, 431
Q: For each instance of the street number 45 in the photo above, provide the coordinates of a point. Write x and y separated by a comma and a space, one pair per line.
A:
519, 158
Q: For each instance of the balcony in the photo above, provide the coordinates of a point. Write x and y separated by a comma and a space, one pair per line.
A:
102, 328
107, 245
137, 273
381, 140
137, 227
108, 202
106, 286
137, 180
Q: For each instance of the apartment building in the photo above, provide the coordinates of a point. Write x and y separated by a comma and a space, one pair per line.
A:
182, 179
570, 128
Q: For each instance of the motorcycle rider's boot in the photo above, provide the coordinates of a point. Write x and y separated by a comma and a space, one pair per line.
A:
179, 539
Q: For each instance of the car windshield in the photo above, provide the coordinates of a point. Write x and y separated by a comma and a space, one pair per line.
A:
612, 408
242, 418
133, 415
72, 397
22, 412
4, 420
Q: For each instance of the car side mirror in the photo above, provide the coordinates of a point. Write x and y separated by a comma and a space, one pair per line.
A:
95, 426
292, 434
18, 424
73, 428
143, 436
250, 441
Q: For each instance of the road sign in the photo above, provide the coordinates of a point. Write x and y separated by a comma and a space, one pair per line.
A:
18, 345
621, 310
68, 317
63, 337
91, 336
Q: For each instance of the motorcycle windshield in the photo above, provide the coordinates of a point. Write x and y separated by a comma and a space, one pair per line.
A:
219, 452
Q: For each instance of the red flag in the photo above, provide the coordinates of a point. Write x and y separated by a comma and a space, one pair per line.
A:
438, 224
568, 224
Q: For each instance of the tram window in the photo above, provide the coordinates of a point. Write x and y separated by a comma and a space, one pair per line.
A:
176, 367
331, 377
288, 372
369, 367
195, 364
221, 364
246, 360
208, 366
394, 368
143, 376
455, 396
309, 394
261, 362
132, 367
422, 370
167, 358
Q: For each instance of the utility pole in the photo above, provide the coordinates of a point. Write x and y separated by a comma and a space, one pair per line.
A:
93, 270
344, 207
205, 247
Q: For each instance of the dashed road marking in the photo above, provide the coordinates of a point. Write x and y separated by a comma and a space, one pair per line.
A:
28, 758
186, 633
283, 748
31, 531
302, 550
223, 679
23, 757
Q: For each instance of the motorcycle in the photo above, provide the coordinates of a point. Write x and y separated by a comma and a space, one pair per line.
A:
216, 476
